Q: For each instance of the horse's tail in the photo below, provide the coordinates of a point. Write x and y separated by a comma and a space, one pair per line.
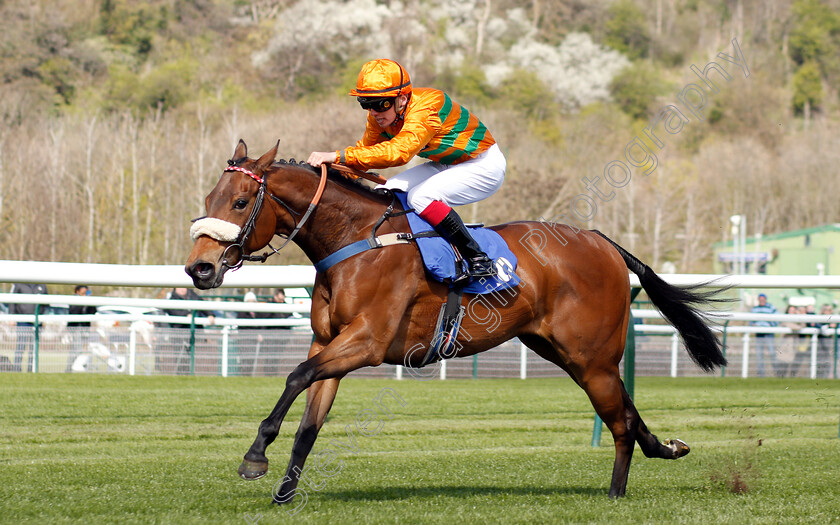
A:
680, 306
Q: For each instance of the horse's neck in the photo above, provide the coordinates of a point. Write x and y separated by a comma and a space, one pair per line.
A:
341, 217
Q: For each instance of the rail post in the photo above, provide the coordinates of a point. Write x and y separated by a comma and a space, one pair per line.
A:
745, 357
675, 348
596, 431
723, 368
132, 349
192, 344
225, 349
630, 350
836, 330
36, 345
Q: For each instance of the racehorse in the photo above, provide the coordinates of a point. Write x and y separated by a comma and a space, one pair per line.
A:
572, 307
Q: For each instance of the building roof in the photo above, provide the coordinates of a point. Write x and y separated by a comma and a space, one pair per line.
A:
825, 228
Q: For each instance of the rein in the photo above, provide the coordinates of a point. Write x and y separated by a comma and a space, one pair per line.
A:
353, 172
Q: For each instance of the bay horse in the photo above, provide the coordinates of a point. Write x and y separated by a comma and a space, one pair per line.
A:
572, 307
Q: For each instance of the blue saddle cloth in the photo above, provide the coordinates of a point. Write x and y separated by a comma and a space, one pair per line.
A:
439, 257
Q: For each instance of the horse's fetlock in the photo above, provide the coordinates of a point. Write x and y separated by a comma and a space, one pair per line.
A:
255, 457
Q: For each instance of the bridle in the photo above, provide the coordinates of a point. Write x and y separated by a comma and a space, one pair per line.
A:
244, 233
250, 225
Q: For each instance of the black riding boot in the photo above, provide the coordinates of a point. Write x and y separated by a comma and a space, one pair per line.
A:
453, 230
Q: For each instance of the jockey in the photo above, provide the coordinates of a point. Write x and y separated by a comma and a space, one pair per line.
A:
466, 165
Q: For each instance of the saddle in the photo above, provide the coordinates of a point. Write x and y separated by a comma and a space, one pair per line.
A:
440, 259
442, 262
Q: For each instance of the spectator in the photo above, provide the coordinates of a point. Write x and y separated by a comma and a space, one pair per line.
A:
186, 294
279, 297
825, 350
278, 337
270, 339
250, 297
765, 343
248, 360
789, 352
179, 338
80, 330
25, 329
802, 355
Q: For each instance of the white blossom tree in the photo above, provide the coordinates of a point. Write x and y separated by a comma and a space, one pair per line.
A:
309, 35
578, 71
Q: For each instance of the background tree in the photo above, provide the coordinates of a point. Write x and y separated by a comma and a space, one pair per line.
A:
626, 29
637, 88
807, 90
116, 117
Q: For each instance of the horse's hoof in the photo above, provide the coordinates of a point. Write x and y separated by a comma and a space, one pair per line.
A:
679, 447
251, 470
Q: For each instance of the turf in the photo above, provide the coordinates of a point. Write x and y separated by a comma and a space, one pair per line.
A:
112, 449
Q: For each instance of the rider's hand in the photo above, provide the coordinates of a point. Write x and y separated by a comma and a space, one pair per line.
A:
316, 158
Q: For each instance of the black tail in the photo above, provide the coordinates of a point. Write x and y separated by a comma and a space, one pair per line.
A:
680, 308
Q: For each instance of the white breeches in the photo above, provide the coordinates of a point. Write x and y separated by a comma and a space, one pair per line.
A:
454, 185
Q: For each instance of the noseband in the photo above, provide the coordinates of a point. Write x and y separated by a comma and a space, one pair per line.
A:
207, 226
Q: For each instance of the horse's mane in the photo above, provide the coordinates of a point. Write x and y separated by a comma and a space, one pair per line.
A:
333, 175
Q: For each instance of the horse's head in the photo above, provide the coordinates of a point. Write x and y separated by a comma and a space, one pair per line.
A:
237, 224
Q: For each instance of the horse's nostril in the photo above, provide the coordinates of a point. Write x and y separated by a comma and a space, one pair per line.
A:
202, 269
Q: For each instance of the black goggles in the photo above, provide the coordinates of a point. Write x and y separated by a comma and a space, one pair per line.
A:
378, 104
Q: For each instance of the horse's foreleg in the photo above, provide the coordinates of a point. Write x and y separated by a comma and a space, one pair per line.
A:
255, 464
319, 400
349, 351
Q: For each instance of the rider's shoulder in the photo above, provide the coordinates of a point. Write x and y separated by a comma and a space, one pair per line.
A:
428, 96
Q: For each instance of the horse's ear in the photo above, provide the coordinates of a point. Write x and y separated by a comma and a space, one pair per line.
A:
241, 151
266, 160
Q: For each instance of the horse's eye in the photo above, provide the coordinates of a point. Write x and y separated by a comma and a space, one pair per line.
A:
240, 204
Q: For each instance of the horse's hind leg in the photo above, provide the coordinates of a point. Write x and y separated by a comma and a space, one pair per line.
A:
653, 448
626, 426
613, 405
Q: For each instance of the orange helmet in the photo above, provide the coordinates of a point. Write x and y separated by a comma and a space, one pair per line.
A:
382, 78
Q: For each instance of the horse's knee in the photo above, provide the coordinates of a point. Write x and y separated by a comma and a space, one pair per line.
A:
300, 379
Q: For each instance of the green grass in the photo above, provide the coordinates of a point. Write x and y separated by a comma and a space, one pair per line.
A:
112, 449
